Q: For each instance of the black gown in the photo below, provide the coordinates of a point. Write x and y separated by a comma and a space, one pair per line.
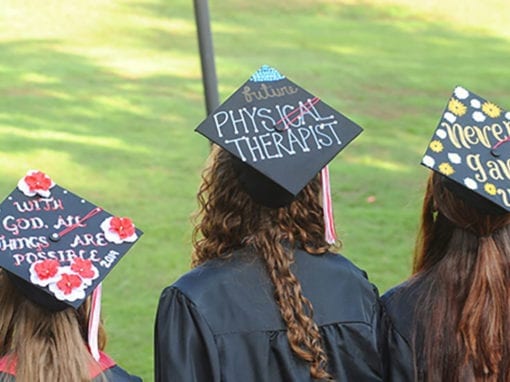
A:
400, 305
219, 322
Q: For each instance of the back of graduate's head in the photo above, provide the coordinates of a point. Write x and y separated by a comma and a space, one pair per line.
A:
456, 221
231, 217
266, 177
462, 257
43, 344
465, 210
50, 280
262, 189
239, 207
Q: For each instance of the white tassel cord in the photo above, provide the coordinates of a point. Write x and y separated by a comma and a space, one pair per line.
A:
327, 207
94, 319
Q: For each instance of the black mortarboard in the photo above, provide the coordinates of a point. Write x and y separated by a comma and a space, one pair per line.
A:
281, 134
57, 247
471, 147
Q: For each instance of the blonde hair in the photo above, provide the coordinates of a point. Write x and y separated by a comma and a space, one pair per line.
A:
46, 346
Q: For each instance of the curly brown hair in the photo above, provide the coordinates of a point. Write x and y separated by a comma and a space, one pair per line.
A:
228, 220
462, 261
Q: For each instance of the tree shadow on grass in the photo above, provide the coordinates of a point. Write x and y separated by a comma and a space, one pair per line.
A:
127, 141
383, 66
387, 68
66, 103
124, 143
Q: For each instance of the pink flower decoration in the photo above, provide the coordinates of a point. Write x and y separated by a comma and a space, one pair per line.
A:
122, 226
69, 286
85, 269
118, 230
44, 272
36, 183
46, 269
68, 283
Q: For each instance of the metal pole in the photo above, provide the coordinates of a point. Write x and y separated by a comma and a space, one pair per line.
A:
205, 46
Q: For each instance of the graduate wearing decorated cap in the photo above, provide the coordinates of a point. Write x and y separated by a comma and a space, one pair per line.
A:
266, 299
450, 321
55, 250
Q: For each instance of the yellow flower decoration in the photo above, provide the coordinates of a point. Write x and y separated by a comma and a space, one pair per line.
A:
436, 146
491, 110
457, 107
446, 169
490, 188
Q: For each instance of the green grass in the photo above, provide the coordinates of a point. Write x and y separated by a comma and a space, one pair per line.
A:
104, 95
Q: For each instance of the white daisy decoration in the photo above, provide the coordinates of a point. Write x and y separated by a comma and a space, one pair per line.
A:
454, 158
476, 103
461, 93
428, 161
507, 115
450, 117
470, 183
478, 116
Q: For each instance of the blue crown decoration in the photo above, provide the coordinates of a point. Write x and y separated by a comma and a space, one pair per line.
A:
266, 74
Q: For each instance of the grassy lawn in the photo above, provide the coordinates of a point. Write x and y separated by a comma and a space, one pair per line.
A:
103, 95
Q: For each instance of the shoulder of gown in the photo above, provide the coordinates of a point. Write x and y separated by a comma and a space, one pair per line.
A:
399, 304
107, 368
228, 304
184, 346
116, 374
242, 281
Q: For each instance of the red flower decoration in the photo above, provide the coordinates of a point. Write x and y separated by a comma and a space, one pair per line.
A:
46, 269
83, 267
38, 180
123, 227
68, 283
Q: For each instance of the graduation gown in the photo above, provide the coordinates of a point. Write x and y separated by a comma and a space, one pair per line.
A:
220, 322
400, 304
105, 370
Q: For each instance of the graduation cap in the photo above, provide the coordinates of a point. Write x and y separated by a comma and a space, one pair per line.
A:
471, 148
280, 134
57, 247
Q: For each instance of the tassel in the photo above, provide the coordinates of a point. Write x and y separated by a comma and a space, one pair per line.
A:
327, 207
94, 319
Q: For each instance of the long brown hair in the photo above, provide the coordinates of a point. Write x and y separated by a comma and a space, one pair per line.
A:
462, 261
228, 219
46, 346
